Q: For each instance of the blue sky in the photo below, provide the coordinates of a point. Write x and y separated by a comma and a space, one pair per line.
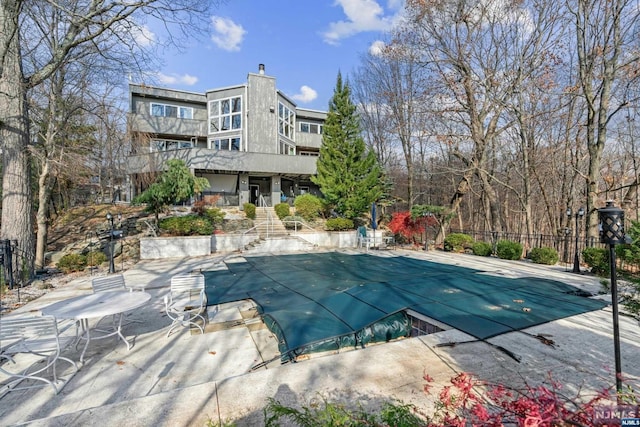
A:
303, 44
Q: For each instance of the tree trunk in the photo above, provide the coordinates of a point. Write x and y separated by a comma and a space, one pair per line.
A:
17, 222
42, 216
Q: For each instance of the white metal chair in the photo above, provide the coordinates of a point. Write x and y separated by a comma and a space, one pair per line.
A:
35, 336
186, 302
363, 239
112, 282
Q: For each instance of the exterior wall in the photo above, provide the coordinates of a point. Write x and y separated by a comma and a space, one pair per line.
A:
142, 121
261, 114
204, 159
309, 141
172, 247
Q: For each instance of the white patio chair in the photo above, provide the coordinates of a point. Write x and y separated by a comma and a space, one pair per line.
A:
112, 282
363, 239
35, 336
186, 302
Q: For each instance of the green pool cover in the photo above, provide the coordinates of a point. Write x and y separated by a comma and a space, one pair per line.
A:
316, 302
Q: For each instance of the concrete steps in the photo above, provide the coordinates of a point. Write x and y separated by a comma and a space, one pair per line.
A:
268, 224
279, 244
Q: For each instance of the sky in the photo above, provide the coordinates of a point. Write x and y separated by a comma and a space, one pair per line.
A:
302, 43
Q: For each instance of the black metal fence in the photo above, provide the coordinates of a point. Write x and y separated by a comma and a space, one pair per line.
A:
566, 245
8, 262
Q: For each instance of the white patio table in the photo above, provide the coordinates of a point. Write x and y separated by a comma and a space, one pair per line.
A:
98, 305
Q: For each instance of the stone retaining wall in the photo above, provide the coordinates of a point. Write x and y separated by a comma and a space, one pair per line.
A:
175, 247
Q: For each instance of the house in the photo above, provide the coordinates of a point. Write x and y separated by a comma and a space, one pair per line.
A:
251, 142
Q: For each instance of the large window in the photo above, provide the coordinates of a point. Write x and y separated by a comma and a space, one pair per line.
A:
166, 110
167, 144
232, 144
309, 153
286, 121
310, 128
287, 148
225, 114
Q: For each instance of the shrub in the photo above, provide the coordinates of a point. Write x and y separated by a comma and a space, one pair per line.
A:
325, 413
544, 255
457, 242
214, 215
72, 262
597, 259
282, 210
189, 225
289, 222
339, 224
95, 258
482, 249
508, 249
308, 206
250, 210
459, 404
405, 227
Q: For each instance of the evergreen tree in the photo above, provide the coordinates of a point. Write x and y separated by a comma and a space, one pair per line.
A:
174, 185
348, 175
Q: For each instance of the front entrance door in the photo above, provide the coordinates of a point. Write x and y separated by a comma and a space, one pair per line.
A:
254, 194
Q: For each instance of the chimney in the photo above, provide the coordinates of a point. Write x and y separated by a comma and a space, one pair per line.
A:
261, 68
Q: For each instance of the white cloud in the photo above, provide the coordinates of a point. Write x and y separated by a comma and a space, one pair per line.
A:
227, 34
377, 47
174, 79
362, 15
143, 35
306, 94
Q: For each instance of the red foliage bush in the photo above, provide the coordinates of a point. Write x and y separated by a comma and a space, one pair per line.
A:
540, 406
402, 224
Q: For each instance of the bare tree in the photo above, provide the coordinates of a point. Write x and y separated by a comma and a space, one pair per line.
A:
390, 93
79, 24
606, 68
468, 48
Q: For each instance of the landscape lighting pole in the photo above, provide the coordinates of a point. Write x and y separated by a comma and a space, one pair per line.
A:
426, 215
612, 233
576, 258
112, 268
565, 258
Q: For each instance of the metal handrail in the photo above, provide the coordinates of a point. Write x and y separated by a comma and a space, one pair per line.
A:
295, 225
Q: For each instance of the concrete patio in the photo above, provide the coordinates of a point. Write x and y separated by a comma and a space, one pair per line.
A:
229, 373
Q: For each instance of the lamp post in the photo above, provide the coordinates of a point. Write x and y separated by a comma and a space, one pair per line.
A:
612, 233
576, 258
112, 268
567, 232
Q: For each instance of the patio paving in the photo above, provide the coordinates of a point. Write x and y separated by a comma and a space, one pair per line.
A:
229, 372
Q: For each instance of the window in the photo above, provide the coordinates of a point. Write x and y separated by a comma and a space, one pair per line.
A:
286, 121
287, 148
232, 144
166, 145
310, 128
165, 110
225, 114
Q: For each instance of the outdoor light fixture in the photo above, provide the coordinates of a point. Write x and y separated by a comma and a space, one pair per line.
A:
112, 268
576, 258
612, 233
